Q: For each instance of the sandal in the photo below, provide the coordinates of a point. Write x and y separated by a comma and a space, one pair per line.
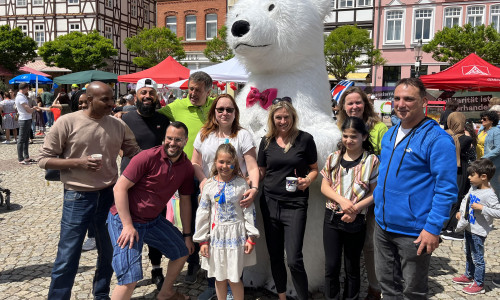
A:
176, 296
31, 160
24, 163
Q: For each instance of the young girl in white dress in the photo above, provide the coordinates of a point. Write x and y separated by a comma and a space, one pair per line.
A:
226, 231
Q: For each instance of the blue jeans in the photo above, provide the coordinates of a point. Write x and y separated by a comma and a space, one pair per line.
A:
50, 118
23, 140
81, 209
474, 254
402, 274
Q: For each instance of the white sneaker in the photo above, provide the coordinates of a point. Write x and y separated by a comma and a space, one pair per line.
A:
6, 142
89, 244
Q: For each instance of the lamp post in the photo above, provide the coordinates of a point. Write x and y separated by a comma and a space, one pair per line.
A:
418, 57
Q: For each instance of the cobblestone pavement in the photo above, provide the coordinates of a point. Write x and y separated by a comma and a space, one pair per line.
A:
29, 234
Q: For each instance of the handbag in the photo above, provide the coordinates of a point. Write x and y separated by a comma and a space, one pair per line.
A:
52, 175
464, 220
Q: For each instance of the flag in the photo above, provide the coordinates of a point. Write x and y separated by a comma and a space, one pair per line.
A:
339, 89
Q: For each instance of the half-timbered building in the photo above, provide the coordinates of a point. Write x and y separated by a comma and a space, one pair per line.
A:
44, 20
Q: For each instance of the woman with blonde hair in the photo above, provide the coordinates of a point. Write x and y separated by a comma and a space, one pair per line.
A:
285, 151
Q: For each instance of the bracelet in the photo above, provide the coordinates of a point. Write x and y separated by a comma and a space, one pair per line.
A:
307, 176
187, 234
250, 242
254, 187
204, 243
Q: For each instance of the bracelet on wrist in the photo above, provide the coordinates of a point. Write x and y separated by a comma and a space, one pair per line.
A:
307, 177
254, 187
204, 243
250, 242
187, 234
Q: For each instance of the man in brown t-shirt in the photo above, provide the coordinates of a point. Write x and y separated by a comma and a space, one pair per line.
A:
84, 145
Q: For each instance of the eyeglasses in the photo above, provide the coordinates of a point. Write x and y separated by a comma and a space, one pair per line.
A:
229, 110
286, 99
172, 139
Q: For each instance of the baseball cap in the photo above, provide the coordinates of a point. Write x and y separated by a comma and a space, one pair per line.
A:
145, 82
74, 85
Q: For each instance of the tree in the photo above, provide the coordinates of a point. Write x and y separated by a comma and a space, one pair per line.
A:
217, 49
453, 44
153, 45
15, 48
348, 48
78, 51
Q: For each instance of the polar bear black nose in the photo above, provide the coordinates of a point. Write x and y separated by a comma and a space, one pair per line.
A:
240, 28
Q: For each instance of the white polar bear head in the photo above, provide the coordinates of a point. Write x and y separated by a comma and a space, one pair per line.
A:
276, 35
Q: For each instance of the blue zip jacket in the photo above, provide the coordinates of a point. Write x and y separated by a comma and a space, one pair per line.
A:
417, 182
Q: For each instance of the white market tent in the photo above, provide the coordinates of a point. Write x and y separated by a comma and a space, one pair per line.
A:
230, 70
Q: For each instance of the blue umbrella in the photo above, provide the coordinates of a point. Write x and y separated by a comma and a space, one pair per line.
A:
30, 78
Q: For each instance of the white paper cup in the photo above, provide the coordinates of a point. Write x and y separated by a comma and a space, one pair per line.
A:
291, 184
96, 156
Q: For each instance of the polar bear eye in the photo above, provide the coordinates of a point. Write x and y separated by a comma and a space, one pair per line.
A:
271, 7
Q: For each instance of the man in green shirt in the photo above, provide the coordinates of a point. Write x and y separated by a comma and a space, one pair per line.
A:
48, 99
193, 112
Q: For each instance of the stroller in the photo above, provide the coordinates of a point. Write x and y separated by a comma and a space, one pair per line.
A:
7, 197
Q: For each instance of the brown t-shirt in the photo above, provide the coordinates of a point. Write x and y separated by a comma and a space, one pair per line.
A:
77, 135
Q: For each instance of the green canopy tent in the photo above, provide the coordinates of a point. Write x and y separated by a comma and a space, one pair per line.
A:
86, 77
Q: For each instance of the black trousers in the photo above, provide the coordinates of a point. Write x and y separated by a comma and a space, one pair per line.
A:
334, 241
284, 225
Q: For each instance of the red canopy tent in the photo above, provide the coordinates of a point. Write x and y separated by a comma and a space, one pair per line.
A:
166, 72
471, 73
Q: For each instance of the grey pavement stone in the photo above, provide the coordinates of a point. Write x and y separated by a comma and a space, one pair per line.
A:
29, 234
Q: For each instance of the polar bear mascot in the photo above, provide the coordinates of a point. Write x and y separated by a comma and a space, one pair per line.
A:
280, 42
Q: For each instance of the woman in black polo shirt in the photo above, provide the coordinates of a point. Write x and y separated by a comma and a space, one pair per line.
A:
286, 151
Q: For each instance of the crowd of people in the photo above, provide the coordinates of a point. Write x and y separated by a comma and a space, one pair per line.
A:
376, 185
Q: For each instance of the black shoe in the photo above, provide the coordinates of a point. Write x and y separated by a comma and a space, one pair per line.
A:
157, 277
192, 273
454, 236
496, 282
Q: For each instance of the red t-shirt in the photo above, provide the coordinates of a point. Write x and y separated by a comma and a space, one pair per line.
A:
156, 180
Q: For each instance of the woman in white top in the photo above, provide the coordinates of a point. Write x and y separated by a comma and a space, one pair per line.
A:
222, 127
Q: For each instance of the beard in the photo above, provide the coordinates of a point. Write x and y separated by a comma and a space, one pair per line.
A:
175, 154
146, 110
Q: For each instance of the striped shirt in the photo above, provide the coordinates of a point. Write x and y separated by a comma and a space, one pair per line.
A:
353, 183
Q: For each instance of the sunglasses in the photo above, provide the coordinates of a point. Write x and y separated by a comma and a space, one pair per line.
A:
286, 99
229, 110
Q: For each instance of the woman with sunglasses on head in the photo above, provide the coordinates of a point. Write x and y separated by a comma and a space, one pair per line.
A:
488, 140
222, 127
285, 151
354, 103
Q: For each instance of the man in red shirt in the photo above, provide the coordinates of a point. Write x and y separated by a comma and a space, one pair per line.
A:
141, 193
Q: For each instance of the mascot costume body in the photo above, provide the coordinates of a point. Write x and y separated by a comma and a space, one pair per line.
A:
280, 43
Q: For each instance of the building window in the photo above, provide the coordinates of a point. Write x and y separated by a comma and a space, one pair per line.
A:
495, 17
171, 23
39, 34
109, 3
21, 2
37, 2
333, 5
74, 27
364, 2
423, 19
24, 28
73, 1
211, 20
191, 27
133, 8
108, 32
475, 15
422, 71
346, 3
391, 75
452, 16
146, 13
394, 26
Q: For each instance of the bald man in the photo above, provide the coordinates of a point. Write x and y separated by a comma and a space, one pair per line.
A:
84, 145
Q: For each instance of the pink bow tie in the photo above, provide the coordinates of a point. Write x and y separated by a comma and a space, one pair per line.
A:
265, 99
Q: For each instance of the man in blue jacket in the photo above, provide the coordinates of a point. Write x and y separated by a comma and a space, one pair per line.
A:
415, 190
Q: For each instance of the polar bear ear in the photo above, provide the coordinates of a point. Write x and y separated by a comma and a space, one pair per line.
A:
324, 6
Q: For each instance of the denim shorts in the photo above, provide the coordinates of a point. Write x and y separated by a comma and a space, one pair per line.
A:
159, 233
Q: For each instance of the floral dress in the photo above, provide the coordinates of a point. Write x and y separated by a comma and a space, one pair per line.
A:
226, 225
